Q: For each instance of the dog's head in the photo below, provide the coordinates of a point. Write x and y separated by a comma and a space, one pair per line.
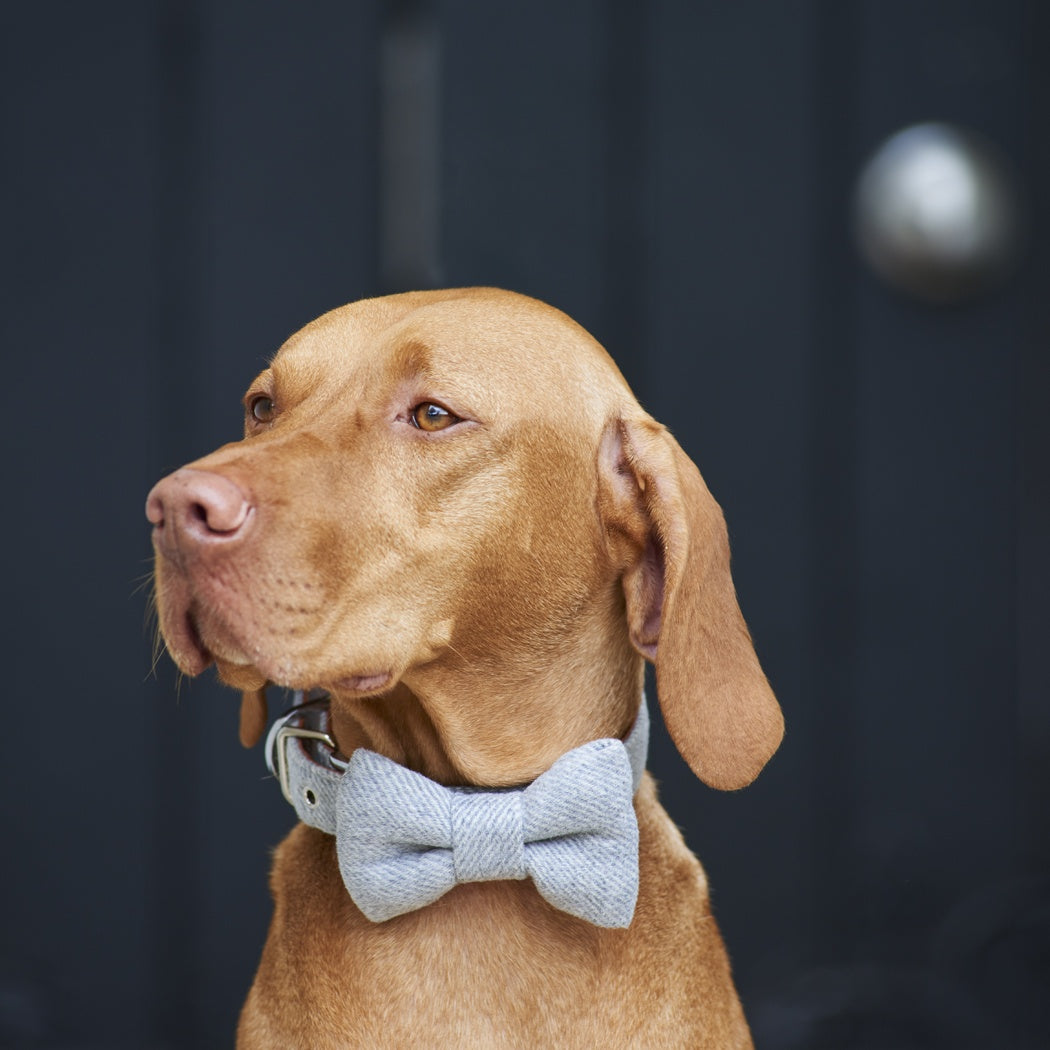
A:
457, 491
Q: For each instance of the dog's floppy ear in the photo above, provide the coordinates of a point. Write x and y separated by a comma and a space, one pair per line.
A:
682, 610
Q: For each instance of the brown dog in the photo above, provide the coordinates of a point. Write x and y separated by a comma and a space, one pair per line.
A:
450, 513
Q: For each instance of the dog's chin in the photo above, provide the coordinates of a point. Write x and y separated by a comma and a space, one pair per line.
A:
245, 677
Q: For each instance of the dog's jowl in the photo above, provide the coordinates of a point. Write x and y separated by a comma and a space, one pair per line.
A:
454, 535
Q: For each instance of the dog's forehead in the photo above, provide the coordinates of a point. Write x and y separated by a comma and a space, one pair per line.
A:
497, 343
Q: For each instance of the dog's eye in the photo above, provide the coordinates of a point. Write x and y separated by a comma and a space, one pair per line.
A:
260, 408
429, 416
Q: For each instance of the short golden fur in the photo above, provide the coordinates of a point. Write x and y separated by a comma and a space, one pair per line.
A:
478, 600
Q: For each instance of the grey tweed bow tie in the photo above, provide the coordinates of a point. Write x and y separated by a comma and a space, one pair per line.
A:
403, 841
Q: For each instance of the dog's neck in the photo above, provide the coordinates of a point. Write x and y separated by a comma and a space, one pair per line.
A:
498, 725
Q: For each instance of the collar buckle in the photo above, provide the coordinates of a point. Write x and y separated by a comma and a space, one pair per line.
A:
280, 754
291, 727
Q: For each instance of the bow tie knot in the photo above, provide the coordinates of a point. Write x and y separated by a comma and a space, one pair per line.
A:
488, 840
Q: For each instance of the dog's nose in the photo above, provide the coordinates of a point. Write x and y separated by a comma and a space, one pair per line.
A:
199, 505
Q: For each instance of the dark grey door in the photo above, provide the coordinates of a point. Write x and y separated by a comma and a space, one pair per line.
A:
187, 183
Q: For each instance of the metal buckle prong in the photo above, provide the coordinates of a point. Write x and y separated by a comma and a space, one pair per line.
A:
279, 744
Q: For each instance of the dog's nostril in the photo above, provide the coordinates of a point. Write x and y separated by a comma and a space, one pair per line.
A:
200, 504
220, 512
198, 513
216, 508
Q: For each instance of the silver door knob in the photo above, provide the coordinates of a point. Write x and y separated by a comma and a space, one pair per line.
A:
936, 213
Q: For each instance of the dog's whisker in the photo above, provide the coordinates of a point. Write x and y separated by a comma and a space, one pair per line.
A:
453, 649
158, 652
141, 584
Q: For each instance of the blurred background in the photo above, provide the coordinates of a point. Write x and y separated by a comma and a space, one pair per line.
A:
859, 364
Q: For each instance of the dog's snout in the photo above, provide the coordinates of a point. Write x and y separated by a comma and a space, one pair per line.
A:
198, 505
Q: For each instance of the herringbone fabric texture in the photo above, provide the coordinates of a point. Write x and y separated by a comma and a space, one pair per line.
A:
404, 841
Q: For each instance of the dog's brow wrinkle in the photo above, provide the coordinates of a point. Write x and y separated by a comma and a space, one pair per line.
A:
414, 356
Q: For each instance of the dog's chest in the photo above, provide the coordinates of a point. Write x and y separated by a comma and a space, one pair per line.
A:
492, 965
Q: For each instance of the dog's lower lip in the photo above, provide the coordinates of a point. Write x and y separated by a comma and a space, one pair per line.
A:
202, 657
363, 683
